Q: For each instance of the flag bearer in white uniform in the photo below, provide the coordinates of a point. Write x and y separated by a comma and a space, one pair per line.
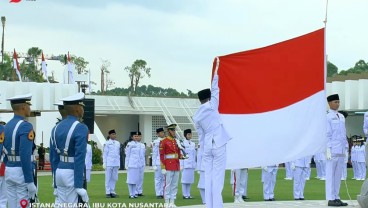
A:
210, 129
139, 190
134, 161
200, 170
353, 159
70, 145
361, 159
288, 171
188, 165
3, 195
239, 180
156, 164
88, 162
111, 163
269, 174
335, 153
18, 142
300, 167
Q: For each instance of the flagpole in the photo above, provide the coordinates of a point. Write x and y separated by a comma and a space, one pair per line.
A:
324, 41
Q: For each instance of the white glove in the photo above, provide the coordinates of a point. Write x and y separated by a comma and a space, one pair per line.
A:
199, 172
55, 192
328, 154
163, 171
154, 168
264, 168
292, 166
181, 168
126, 167
82, 193
32, 190
104, 166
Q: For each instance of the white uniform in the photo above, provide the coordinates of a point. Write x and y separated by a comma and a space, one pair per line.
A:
201, 181
300, 167
361, 162
269, 174
139, 189
336, 141
111, 160
239, 181
134, 161
188, 166
159, 177
214, 136
320, 160
88, 162
345, 166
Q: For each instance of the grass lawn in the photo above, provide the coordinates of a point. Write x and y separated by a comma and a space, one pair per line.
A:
314, 189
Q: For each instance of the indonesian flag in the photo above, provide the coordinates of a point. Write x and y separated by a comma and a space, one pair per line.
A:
272, 101
44, 68
16, 65
71, 68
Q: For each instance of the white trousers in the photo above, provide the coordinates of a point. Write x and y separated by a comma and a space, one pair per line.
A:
65, 186
159, 181
214, 160
288, 171
344, 171
362, 170
269, 182
355, 169
333, 177
3, 194
240, 180
300, 174
171, 184
88, 175
111, 176
318, 168
140, 181
323, 168
203, 195
15, 186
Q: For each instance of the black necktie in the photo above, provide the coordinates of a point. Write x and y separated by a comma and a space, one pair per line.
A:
337, 115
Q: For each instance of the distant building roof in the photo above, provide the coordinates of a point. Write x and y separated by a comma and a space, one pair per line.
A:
349, 76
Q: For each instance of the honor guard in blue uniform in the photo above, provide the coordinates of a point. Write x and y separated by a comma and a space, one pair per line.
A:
70, 145
209, 127
188, 165
134, 162
156, 164
3, 195
111, 163
335, 153
18, 143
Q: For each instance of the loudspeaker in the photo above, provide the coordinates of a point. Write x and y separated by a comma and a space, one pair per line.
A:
89, 114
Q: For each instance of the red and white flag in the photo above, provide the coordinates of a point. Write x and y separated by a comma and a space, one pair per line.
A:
44, 68
16, 65
273, 103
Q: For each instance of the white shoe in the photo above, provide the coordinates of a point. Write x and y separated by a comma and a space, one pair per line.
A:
238, 199
343, 179
307, 179
322, 179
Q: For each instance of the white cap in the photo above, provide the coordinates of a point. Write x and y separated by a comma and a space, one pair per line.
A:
76, 99
21, 99
59, 103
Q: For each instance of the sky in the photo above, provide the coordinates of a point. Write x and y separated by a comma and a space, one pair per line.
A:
178, 39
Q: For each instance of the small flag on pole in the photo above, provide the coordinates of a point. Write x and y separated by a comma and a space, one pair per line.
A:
44, 68
16, 65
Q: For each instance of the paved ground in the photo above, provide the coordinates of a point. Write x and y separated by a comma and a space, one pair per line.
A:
280, 204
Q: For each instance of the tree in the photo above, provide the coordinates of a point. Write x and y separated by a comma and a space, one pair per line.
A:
33, 54
6, 69
331, 69
136, 72
80, 63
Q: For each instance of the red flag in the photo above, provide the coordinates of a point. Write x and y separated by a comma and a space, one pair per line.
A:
272, 99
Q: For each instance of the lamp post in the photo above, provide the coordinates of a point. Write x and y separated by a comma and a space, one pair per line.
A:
3, 19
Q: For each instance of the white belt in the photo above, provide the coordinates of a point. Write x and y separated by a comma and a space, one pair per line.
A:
66, 159
17, 158
171, 156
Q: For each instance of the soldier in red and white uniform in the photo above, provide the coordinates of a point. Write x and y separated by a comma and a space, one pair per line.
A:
170, 165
